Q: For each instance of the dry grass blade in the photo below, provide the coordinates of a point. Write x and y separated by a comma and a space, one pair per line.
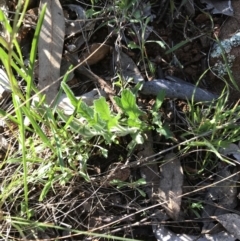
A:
50, 48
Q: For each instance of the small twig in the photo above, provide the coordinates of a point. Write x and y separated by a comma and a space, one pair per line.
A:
96, 79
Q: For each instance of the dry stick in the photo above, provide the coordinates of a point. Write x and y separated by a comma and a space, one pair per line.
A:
96, 79
179, 90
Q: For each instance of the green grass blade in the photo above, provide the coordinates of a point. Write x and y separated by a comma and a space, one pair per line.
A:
4, 21
36, 127
17, 104
5, 57
33, 54
69, 94
18, 60
177, 46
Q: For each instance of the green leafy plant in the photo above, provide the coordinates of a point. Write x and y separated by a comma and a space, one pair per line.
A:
196, 208
156, 117
99, 120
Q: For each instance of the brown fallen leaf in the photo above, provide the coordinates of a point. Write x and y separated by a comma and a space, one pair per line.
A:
164, 234
223, 193
77, 28
231, 222
95, 53
50, 49
232, 149
149, 171
127, 67
170, 187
